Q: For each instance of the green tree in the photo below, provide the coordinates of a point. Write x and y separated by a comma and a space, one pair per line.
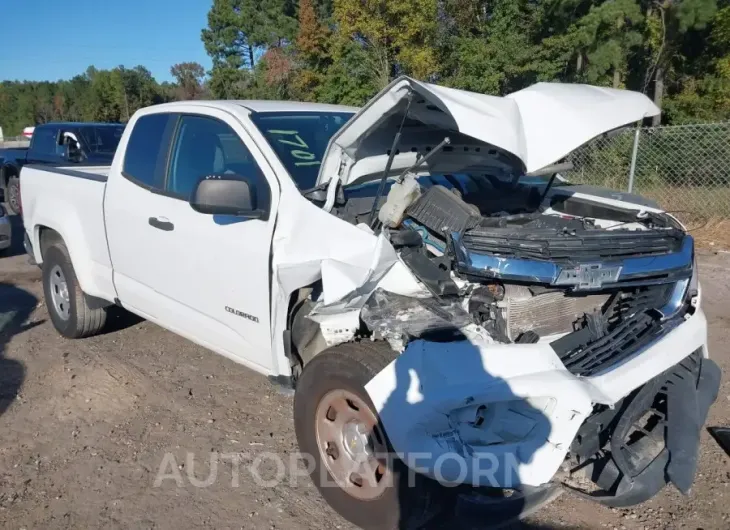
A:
674, 24
402, 35
354, 75
598, 43
190, 80
229, 37
312, 57
488, 46
240, 30
96, 95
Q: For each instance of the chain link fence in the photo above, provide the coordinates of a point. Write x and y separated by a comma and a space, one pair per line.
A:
685, 168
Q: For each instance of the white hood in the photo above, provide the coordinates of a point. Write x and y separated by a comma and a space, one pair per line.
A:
538, 125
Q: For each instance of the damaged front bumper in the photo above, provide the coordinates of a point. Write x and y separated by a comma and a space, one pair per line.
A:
508, 415
651, 437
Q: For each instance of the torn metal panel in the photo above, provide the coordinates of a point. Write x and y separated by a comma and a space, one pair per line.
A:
305, 238
338, 327
310, 244
351, 261
399, 318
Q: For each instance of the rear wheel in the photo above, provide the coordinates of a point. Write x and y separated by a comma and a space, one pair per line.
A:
12, 195
337, 426
67, 306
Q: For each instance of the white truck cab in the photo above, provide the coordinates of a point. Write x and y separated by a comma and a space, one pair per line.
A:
448, 308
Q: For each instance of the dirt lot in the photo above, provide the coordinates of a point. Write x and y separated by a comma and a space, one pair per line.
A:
85, 426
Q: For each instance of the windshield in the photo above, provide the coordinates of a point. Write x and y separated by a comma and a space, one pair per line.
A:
102, 140
300, 140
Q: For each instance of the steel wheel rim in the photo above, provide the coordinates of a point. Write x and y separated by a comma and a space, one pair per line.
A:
13, 197
351, 445
59, 293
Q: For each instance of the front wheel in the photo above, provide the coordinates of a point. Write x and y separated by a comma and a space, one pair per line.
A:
338, 429
67, 306
12, 195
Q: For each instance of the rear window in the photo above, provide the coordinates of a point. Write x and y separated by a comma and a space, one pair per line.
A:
102, 139
44, 140
146, 156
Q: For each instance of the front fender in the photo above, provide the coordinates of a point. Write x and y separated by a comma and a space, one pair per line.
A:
530, 408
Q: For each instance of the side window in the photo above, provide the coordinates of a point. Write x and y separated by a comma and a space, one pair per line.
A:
207, 146
59, 149
44, 141
147, 149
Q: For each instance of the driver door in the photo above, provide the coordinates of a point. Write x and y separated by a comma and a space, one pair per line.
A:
220, 282
211, 275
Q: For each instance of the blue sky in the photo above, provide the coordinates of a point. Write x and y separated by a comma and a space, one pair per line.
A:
51, 40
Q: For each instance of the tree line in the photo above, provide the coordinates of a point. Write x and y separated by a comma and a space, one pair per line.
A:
344, 51
96, 95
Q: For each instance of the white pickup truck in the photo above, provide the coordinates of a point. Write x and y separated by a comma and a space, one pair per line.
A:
422, 276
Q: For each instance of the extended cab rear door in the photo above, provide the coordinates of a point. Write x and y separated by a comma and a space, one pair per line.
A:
204, 277
44, 148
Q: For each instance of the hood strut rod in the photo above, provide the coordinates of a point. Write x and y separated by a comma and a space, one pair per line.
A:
391, 156
425, 158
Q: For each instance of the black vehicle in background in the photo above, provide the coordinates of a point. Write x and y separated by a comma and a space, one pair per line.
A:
58, 144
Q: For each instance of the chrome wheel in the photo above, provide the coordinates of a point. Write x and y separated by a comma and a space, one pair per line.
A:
351, 445
59, 293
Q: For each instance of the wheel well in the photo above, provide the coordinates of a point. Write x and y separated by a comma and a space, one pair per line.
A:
304, 339
6, 172
303, 335
46, 238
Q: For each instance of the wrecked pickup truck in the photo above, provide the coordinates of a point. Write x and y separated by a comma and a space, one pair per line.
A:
423, 277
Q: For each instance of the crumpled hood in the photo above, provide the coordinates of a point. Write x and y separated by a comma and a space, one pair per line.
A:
539, 125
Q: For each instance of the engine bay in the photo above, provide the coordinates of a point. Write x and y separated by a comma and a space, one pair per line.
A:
523, 266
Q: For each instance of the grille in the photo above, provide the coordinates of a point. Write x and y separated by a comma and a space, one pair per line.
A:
631, 323
561, 246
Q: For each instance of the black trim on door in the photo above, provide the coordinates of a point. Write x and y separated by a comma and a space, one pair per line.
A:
68, 172
165, 226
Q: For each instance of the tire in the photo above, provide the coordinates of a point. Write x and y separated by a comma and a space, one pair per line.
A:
347, 368
12, 195
69, 311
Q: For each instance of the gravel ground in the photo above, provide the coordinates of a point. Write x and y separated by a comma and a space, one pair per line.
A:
85, 427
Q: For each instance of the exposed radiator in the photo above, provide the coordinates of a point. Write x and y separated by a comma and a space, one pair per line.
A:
545, 313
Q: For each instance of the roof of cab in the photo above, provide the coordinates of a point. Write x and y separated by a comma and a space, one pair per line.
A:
76, 124
260, 106
292, 106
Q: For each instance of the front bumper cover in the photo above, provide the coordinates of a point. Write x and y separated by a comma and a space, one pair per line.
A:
417, 394
631, 459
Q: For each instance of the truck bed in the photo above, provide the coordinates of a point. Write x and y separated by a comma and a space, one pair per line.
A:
73, 197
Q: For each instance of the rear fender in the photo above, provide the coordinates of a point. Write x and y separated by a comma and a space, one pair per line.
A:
67, 226
6, 170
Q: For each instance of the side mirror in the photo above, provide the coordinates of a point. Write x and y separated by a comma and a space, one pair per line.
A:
231, 195
72, 151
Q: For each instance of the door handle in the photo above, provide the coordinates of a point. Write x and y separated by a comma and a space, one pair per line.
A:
161, 223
